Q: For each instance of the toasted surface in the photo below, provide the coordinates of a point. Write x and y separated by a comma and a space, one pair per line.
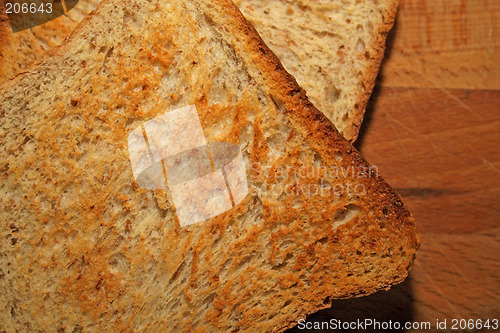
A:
332, 47
19, 49
83, 248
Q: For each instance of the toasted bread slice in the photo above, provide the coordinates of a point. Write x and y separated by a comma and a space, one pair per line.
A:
86, 246
332, 47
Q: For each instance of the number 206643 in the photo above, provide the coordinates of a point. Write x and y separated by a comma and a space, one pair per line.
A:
28, 8
474, 324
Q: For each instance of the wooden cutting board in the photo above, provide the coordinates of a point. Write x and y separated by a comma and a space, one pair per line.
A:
433, 130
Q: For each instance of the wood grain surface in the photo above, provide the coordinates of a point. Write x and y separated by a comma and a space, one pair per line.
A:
445, 44
440, 149
433, 130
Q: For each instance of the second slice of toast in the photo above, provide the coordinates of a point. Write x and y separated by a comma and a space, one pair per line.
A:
332, 47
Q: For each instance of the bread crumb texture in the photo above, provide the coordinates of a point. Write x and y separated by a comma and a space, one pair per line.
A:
332, 48
83, 249
18, 50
